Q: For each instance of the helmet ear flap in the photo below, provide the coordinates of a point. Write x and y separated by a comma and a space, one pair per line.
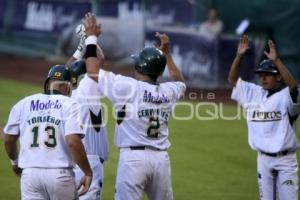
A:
77, 69
138, 69
46, 85
57, 72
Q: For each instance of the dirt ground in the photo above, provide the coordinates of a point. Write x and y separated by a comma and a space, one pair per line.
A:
35, 70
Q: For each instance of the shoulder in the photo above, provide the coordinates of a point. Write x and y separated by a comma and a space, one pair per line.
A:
174, 85
27, 99
105, 73
86, 80
284, 92
174, 88
242, 83
66, 100
87, 86
69, 104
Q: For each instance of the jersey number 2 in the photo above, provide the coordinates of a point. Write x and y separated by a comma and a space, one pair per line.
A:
51, 142
153, 129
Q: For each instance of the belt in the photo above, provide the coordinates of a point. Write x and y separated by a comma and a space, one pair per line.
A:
279, 154
102, 160
96, 156
144, 148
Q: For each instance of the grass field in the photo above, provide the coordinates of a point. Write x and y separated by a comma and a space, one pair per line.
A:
210, 158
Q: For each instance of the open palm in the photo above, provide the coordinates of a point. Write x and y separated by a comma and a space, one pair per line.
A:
272, 55
243, 45
164, 42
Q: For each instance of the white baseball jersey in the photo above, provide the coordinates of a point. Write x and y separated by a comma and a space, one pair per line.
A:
271, 120
88, 95
143, 109
43, 121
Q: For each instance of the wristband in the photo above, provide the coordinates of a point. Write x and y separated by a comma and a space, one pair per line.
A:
14, 162
92, 39
91, 51
78, 54
238, 55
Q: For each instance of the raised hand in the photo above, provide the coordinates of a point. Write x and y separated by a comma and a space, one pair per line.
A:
80, 32
272, 55
91, 26
243, 45
164, 42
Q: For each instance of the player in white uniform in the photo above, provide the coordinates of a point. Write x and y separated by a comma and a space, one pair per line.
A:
50, 141
271, 114
143, 109
86, 92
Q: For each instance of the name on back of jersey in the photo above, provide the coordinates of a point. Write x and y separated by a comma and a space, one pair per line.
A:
153, 113
43, 119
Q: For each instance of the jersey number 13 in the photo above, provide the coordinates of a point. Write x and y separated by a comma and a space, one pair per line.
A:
50, 142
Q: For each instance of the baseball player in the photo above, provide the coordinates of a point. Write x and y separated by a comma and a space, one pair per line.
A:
50, 141
271, 114
143, 108
86, 92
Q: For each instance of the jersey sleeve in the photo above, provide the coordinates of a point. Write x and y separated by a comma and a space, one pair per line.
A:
72, 119
178, 89
89, 94
244, 92
117, 88
294, 106
88, 87
12, 126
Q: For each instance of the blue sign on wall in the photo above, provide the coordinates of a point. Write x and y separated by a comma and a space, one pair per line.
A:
48, 16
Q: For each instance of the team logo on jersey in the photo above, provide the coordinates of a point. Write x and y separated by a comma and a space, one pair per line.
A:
288, 182
149, 98
36, 105
96, 120
265, 116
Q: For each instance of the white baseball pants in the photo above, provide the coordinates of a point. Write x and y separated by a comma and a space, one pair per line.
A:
278, 176
142, 171
48, 184
95, 190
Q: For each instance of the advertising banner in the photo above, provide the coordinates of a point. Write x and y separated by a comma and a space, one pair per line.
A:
48, 16
194, 55
204, 63
2, 12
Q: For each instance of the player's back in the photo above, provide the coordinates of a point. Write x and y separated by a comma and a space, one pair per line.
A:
148, 111
44, 120
88, 96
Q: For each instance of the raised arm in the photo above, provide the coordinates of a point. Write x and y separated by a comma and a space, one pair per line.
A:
92, 30
175, 74
234, 72
286, 75
80, 51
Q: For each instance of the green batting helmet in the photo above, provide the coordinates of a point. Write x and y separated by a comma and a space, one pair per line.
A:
77, 69
57, 72
267, 66
150, 61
